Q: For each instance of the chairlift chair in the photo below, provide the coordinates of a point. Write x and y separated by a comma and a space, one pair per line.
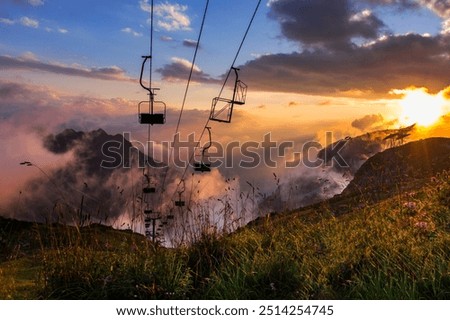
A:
222, 108
150, 117
203, 166
149, 190
180, 202
151, 216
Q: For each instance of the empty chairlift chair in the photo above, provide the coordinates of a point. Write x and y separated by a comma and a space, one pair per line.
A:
148, 189
170, 216
150, 117
221, 108
180, 202
204, 165
148, 186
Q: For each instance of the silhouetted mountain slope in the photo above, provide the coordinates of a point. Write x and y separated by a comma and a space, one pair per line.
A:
401, 168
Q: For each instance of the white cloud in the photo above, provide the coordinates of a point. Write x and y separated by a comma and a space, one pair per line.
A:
185, 63
166, 38
172, 17
145, 6
6, 21
60, 30
36, 3
440, 7
28, 22
30, 56
132, 32
446, 27
361, 16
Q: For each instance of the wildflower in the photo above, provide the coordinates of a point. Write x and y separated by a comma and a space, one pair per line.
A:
410, 205
421, 225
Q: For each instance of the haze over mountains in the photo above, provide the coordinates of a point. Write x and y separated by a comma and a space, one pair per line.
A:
111, 195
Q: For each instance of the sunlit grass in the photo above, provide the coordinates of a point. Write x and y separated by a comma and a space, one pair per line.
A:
395, 249
18, 279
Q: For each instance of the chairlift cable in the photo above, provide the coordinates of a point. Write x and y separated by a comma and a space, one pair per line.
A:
187, 90
150, 80
147, 207
192, 66
240, 48
223, 87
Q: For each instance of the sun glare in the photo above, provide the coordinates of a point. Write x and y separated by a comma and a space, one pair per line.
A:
420, 107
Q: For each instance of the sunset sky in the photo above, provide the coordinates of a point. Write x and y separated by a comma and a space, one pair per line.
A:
311, 66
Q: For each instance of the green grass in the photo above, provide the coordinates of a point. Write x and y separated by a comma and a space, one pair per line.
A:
18, 279
398, 248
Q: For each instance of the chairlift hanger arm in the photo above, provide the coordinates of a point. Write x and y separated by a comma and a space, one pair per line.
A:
210, 140
142, 74
236, 72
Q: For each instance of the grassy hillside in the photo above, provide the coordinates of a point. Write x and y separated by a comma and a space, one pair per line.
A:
397, 247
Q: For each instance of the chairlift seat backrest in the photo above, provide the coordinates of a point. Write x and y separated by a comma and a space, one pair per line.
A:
148, 118
149, 190
222, 109
150, 115
241, 93
202, 167
180, 203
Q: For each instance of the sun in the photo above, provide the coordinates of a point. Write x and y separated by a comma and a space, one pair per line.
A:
420, 107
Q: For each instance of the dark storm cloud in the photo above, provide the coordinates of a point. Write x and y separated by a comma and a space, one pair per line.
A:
331, 64
368, 71
324, 22
104, 73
